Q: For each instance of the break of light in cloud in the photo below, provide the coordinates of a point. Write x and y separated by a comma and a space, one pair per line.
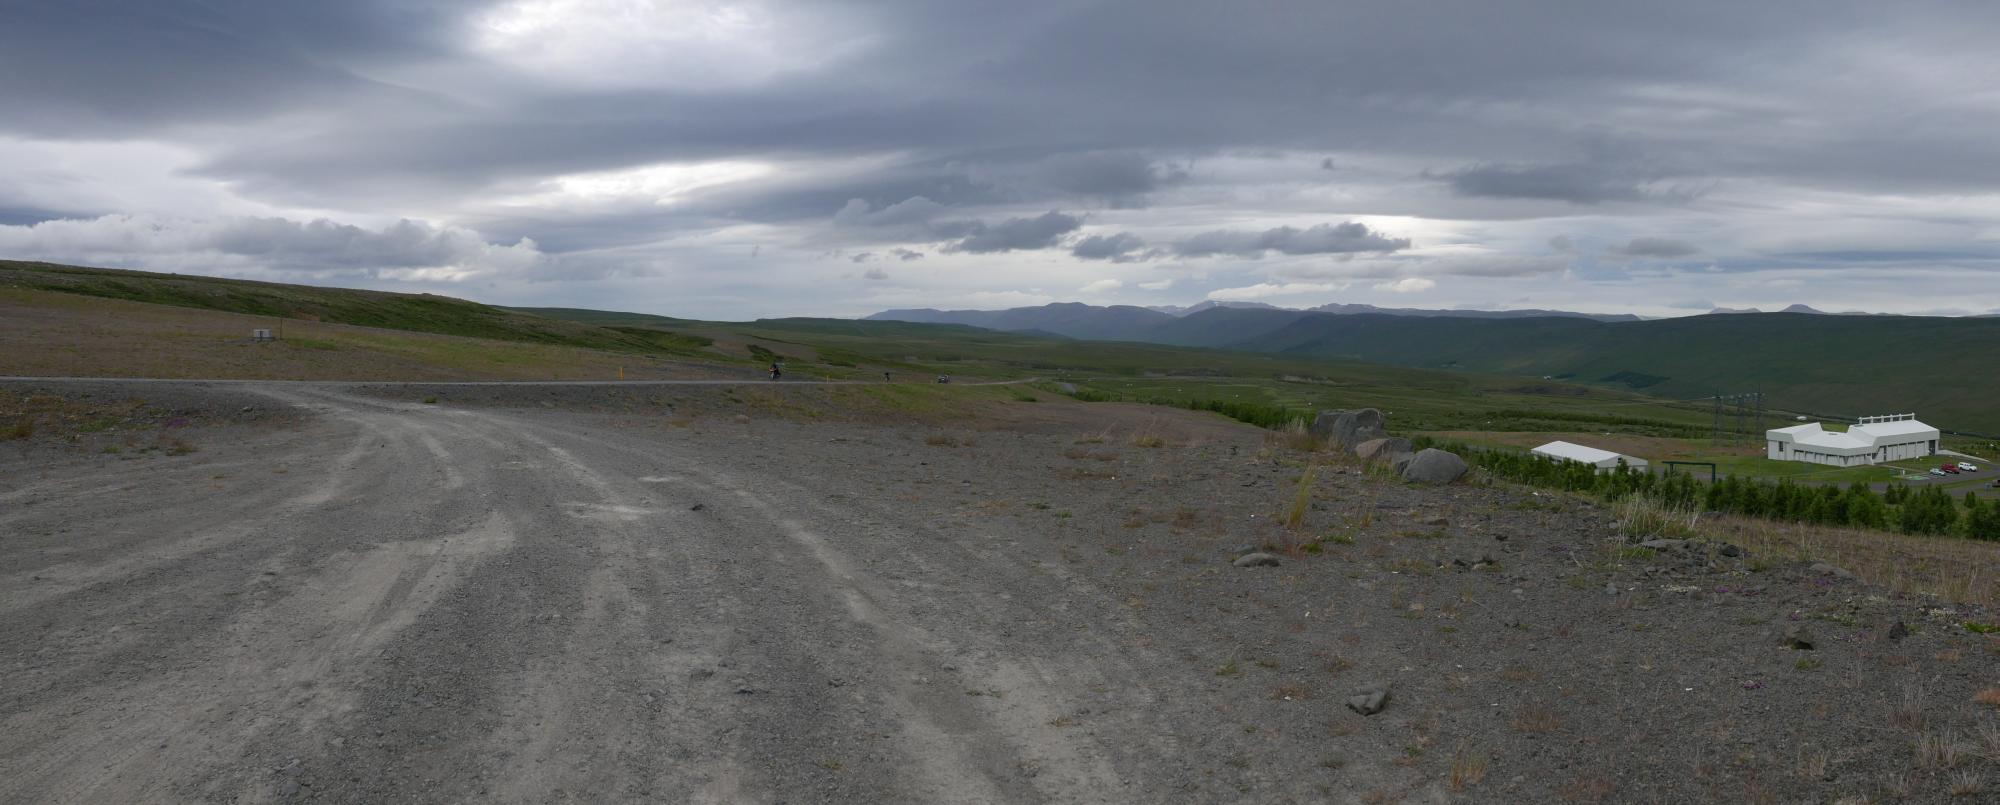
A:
778, 157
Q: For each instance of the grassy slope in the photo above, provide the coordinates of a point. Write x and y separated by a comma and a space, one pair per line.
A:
1834, 365
47, 333
423, 313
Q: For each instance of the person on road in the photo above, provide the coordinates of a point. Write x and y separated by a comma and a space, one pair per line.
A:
776, 371
885, 377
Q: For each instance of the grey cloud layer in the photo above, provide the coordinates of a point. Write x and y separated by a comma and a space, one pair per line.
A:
939, 124
1344, 238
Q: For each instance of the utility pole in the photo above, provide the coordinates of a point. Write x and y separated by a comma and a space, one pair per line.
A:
1715, 432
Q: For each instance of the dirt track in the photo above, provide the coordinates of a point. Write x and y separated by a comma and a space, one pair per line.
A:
409, 602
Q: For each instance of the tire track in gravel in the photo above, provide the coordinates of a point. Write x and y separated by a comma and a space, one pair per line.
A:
1028, 694
267, 656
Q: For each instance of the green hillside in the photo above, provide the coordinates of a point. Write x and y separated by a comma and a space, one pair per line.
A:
1830, 365
424, 313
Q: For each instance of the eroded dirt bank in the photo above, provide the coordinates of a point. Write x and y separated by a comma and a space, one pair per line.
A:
503, 599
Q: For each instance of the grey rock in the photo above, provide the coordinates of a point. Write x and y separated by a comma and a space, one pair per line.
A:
1664, 544
1798, 638
1369, 700
1400, 462
1345, 429
1256, 560
1434, 466
1243, 549
1374, 449
1825, 569
1729, 550
1899, 631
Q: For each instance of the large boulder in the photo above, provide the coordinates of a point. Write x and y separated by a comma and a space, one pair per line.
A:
1381, 449
1434, 466
1345, 429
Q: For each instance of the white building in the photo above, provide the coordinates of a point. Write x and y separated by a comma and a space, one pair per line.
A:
1872, 441
1603, 460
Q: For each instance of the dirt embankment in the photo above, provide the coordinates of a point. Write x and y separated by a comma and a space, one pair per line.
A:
497, 599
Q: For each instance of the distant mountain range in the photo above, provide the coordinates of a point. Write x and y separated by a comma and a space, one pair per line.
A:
1130, 323
1337, 307
1854, 364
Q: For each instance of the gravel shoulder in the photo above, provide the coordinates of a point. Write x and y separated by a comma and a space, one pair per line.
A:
543, 595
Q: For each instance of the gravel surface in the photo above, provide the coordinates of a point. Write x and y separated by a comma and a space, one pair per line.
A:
515, 599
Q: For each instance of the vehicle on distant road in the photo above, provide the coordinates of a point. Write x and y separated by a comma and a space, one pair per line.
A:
1967, 466
1936, 471
1950, 468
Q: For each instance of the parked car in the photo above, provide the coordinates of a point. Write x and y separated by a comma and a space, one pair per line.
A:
1936, 471
1950, 468
1967, 466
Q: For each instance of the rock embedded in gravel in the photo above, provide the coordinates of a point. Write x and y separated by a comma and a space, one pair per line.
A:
1256, 560
1345, 429
1369, 700
1434, 466
1825, 569
1729, 550
1664, 544
1379, 449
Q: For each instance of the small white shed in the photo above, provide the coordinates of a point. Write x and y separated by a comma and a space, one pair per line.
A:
1603, 460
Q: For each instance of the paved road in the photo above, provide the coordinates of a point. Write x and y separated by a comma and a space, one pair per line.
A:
406, 603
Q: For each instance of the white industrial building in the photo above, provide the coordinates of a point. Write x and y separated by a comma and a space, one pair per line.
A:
1603, 460
1873, 440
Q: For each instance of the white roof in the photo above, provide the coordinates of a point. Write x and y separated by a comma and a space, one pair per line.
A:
1577, 452
1857, 440
1903, 427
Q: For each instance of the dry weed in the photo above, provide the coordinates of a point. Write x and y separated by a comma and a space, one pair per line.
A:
1537, 719
1468, 767
1988, 696
1938, 750
1967, 784
1961, 570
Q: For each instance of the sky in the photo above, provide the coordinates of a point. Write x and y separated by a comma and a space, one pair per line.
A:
737, 160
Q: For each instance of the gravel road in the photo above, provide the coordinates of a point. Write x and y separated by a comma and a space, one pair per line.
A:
503, 598
406, 602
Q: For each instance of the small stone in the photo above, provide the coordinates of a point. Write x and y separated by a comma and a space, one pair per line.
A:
1369, 700
1664, 544
1611, 588
697, 507
744, 691
1899, 631
1243, 549
1438, 521
1256, 560
1825, 569
1729, 550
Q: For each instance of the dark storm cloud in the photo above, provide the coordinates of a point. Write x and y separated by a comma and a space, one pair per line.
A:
1343, 238
1657, 247
1072, 97
1118, 248
111, 67
1039, 232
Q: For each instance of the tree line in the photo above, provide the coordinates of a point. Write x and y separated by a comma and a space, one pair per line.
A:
1921, 510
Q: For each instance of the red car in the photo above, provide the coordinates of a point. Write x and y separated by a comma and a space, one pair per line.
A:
1950, 468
